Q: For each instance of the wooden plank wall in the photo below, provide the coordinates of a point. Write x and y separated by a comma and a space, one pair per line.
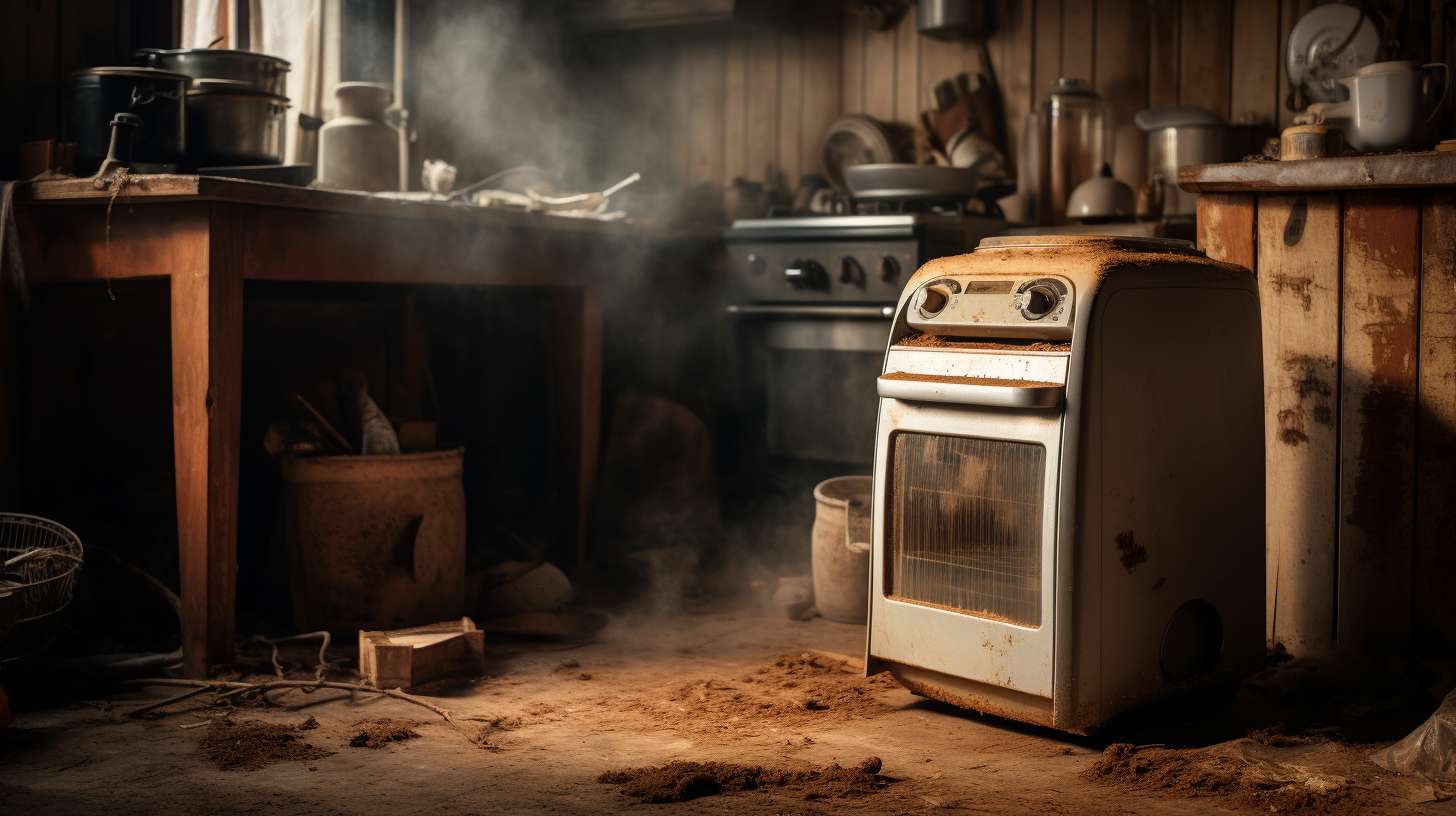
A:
754, 103
43, 41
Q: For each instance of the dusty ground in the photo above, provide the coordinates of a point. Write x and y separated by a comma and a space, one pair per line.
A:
549, 724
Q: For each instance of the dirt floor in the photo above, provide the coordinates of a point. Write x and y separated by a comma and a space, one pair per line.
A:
708, 713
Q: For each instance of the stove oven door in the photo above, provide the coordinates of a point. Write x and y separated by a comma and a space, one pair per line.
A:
965, 496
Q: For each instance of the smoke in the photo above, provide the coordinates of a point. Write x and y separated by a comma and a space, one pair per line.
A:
495, 86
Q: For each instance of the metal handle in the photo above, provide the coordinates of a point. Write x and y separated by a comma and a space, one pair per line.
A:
970, 391
870, 312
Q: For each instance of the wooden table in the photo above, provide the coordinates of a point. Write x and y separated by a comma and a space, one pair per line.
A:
1356, 260
209, 237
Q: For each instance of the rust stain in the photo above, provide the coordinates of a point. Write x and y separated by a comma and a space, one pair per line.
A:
1386, 411
1310, 380
1300, 286
976, 702
1130, 553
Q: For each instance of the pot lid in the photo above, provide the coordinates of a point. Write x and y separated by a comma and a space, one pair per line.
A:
230, 86
225, 53
1068, 86
1150, 119
131, 71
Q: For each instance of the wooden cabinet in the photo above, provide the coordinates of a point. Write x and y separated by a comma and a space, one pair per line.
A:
1356, 261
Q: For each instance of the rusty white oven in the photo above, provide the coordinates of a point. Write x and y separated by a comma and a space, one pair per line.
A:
1068, 479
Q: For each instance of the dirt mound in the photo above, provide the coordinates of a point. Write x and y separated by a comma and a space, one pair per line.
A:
793, 691
379, 733
681, 781
251, 744
1326, 778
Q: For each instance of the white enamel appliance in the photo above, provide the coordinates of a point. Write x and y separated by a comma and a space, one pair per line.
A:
1069, 478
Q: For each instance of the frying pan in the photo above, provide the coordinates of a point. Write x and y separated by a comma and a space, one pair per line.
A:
881, 182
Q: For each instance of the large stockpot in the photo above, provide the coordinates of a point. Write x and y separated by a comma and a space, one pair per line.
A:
1178, 137
265, 73
232, 123
158, 97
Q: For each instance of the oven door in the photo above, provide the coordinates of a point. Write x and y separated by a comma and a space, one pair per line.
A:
965, 491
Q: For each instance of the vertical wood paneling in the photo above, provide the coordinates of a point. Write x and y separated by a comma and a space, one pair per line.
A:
1434, 558
763, 108
1377, 420
791, 101
1011, 50
1257, 61
879, 74
1079, 33
910, 99
821, 93
1046, 58
1299, 288
852, 62
1203, 53
707, 111
1164, 62
1122, 80
735, 105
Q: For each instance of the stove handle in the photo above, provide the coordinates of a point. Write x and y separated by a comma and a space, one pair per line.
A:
969, 391
869, 312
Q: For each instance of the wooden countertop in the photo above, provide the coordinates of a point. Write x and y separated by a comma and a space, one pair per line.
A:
1426, 169
161, 188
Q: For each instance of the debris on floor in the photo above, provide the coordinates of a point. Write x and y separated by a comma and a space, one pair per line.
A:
682, 781
415, 657
793, 691
379, 733
246, 745
1318, 776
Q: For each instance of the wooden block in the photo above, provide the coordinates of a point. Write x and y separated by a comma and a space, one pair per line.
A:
1377, 420
1298, 257
410, 658
1433, 559
1226, 228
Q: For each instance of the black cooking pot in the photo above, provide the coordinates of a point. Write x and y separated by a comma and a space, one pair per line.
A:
158, 97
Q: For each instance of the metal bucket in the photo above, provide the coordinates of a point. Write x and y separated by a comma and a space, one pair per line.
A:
841, 554
375, 542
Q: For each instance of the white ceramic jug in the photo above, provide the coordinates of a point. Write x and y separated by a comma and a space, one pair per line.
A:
1389, 105
358, 149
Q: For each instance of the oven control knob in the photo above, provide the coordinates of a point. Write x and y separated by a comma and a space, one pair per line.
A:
933, 300
756, 264
889, 269
1040, 300
851, 272
806, 275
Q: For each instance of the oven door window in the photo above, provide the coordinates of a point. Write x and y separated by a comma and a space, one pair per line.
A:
966, 525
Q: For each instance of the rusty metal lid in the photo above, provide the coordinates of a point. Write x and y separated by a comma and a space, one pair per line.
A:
1124, 242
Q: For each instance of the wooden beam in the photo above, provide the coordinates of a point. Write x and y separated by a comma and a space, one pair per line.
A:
1377, 421
1299, 287
1433, 560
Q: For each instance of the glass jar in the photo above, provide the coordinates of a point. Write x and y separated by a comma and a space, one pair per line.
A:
1075, 129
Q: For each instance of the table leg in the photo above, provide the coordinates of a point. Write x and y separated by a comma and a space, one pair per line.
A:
579, 369
207, 342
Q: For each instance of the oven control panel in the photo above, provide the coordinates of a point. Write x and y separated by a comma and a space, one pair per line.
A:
818, 271
1039, 307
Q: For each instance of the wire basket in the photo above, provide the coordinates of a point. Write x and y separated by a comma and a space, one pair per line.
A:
39, 560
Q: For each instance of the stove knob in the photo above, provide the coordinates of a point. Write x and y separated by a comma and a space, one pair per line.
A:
807, 275
851, 272
756, 264
933, 300
889, 269
1040, 300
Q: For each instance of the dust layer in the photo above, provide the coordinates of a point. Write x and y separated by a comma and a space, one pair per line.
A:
379, 733
681, 781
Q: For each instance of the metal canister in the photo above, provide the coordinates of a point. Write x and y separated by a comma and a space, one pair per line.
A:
158, 97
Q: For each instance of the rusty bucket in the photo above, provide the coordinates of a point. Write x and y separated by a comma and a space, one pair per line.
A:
375, 542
